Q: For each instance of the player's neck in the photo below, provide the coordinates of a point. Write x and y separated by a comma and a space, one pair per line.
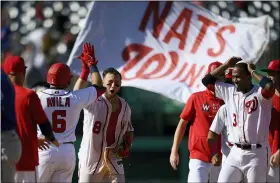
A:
57, 88
16, 80
249, 88
112, 99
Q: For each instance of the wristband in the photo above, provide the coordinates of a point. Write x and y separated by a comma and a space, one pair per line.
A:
253, 72
93, 68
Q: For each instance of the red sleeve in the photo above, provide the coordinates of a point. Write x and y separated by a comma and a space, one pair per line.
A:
276, 143
37, 113
189, 110
275, 130
266, 94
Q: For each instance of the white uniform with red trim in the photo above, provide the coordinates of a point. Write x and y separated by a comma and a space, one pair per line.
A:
220, 125
63, 111
249, 117
91, 153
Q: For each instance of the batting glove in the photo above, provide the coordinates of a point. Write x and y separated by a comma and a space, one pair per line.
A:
124, 150
88, 56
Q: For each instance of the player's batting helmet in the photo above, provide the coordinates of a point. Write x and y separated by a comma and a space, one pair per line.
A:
213, 66
59, 75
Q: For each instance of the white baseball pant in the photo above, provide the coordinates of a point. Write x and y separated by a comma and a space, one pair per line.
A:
201, 171
245, 165
57, 164
273, 174
25, 177
10, 155
224, 157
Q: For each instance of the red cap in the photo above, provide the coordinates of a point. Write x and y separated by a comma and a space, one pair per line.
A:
213, 66
228, 73
273, 66
13, 65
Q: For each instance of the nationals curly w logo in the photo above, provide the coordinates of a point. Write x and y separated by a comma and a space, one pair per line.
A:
251, 105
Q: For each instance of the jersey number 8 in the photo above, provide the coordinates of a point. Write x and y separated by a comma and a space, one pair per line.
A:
58, 124
96, 127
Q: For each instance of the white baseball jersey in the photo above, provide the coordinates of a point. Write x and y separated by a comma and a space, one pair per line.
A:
63, 110
96, 121
248, 114
220, 126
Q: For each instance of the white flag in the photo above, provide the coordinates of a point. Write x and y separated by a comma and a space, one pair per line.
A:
166, 47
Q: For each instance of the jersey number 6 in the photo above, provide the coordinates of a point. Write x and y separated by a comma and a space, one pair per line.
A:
58, 124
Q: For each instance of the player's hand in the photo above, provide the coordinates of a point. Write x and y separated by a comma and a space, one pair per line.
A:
174, 160
216, 160
251, 67
43, 144
123, 151
88, 55
232, 61
84, 64
274, 159
55, 142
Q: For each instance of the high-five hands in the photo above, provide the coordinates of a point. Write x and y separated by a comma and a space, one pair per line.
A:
88, 55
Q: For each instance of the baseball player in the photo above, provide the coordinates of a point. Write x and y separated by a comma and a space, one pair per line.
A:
10, 142
200, 110
63, 109
220, 124
273, 72
29, 113
107, 133
249, 113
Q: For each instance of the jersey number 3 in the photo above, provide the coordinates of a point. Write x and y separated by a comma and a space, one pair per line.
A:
234, 120
58, 124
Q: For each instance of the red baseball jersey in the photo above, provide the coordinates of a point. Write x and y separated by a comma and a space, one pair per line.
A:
274, 127
29, 113
200, 110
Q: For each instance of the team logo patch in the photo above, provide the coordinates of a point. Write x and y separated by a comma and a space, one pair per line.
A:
119, 162
205, 107
251, 105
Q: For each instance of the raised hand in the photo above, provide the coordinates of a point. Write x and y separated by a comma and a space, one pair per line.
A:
88, 55
232, 61
251, 67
